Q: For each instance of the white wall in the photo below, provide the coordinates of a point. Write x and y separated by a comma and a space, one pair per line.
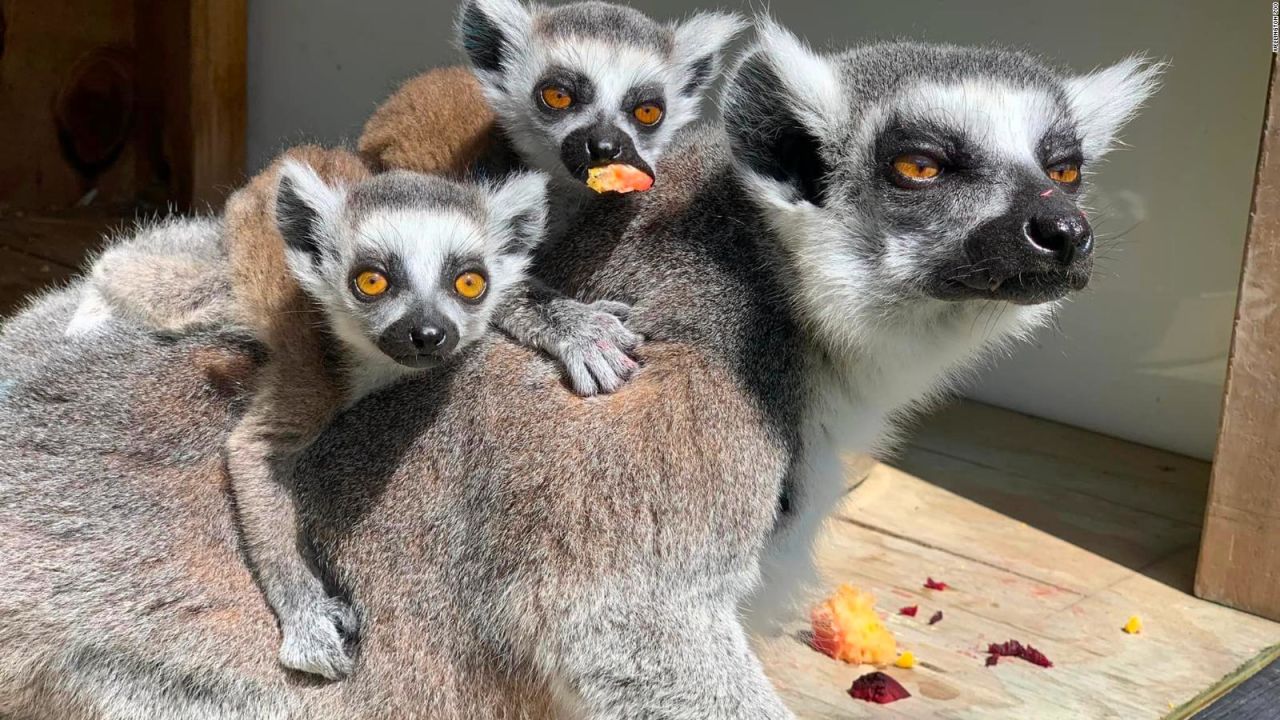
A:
1141, 355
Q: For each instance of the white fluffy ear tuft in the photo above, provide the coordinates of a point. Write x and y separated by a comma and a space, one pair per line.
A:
493, 34
814, 86
1104, 100
307, 208
782, 103
700, 43
518, 213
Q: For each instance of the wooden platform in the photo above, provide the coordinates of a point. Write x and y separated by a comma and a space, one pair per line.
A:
41, 249
1048, 535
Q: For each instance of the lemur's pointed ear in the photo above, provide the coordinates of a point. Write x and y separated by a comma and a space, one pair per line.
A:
700, 43
492, 32
305, 206
518, 212
1105, 99
783, 102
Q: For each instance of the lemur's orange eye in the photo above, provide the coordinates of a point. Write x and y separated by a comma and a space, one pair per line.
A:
917, 168
371, 283
1067, 173
556, 98
647, 113
470, 284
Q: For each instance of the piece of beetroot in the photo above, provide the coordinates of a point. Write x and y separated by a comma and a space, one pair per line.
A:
992, 660
932, 584
1013, 648
878, 688
909, 611
936, 617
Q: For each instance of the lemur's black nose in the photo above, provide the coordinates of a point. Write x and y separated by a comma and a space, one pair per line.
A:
427, 338
603, 148
1062, 235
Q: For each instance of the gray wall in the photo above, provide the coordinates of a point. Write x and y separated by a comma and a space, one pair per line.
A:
1141, 355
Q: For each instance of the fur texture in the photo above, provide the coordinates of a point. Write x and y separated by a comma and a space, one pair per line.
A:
170, 274
437, 123
296, 392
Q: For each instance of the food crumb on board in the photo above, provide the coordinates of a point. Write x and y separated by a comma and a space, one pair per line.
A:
936, 618
1133, 626
909, 611
878, 688
1013, 648
906, 660
932, 584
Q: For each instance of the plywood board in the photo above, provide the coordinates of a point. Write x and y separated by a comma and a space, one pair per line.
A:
22, 274
1043, 534
66, 237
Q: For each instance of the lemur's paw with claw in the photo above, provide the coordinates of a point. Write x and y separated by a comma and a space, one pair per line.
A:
596, 348
315, 638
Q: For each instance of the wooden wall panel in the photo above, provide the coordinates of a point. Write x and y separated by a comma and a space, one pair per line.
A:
138, 100
1240, 548
69, 60
109, 109
219, 101
193, 74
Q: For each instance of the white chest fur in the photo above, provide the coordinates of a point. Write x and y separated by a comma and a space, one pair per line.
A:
853, 410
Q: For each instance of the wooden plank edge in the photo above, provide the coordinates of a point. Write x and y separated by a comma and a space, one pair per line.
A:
1209, 581
218, 113
1228, 683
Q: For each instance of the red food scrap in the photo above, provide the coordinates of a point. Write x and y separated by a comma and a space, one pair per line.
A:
936, 617
1013, 648
878, 688
992, 660
932, 584
909, 611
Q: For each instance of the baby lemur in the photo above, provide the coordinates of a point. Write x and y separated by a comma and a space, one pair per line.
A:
562, 89
351, 281
392, 274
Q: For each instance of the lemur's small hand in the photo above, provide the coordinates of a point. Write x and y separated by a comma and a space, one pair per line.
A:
315, 637
595, 346
588, 339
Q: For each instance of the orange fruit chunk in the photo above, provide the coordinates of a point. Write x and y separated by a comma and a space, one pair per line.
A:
846, 627
619, 178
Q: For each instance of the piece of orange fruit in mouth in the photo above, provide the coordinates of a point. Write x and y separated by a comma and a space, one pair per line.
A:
618, 178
